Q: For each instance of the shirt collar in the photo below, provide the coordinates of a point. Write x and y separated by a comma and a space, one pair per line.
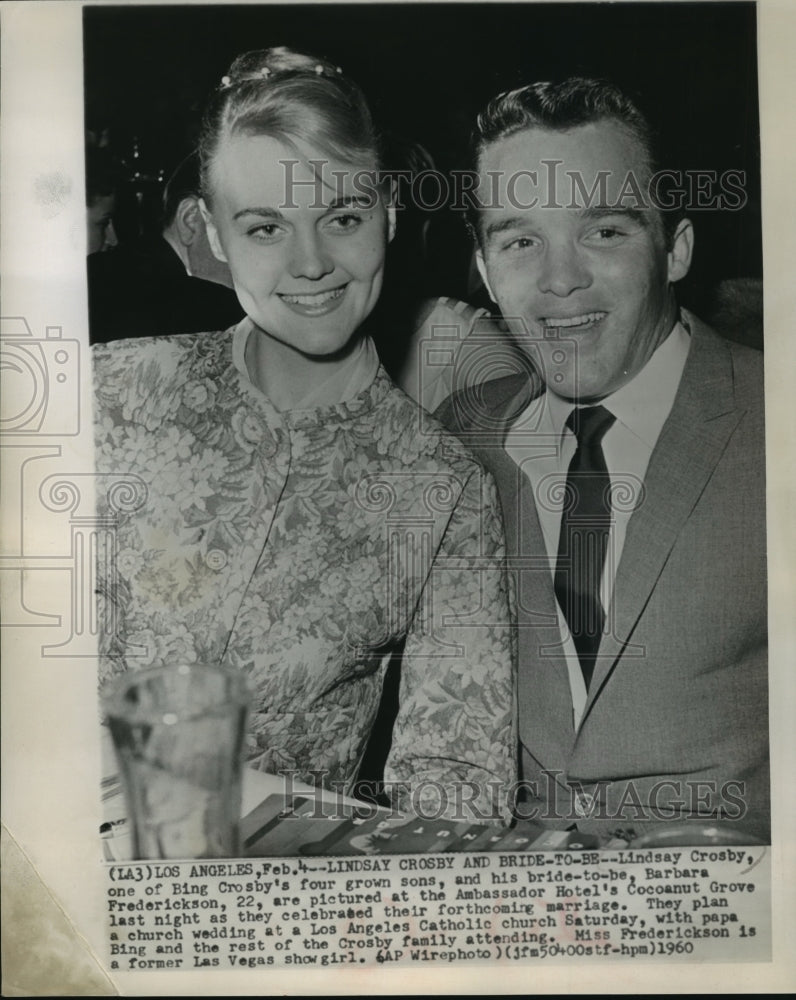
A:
643, 403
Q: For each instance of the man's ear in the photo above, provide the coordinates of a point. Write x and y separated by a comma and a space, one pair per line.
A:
188, 220
212, 233
391, 223
481, 265
679, 256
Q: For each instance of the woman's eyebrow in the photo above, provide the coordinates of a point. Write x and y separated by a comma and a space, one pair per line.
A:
351, 201
346, 201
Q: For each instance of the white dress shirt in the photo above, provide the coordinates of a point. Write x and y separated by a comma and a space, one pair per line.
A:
542, 446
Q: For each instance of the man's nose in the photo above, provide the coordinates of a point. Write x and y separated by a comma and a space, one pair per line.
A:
563, 270
309, 258
110, 239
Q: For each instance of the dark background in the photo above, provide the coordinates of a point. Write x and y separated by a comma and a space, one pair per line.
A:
427, 68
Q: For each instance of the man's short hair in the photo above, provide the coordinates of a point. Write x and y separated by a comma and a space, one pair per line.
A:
560, 106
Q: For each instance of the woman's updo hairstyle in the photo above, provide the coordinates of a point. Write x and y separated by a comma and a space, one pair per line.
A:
292, 97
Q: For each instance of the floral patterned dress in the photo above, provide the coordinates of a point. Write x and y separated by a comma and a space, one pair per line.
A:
302, 548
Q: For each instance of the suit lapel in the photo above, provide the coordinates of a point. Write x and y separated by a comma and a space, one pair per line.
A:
692, 441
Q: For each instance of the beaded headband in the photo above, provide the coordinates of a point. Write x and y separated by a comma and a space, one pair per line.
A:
265, 72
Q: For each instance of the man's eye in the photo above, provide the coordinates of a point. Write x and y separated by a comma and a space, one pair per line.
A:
266, 231
521, 243
606, 234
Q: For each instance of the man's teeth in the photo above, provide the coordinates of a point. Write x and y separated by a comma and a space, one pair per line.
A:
316, 299
573, 320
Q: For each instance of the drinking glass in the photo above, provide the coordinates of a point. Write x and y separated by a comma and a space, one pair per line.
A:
178, 736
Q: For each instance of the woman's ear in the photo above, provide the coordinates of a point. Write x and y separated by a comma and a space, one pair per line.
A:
212, 233
390, 195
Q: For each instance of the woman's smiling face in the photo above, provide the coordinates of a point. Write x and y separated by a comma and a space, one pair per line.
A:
304, 237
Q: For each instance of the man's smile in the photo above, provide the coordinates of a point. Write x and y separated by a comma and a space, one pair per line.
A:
582, 321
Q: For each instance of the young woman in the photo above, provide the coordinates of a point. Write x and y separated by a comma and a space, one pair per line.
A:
302, 518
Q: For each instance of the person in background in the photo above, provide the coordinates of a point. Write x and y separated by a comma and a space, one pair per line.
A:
184, 227
170, 284
102, 178
630, 460
300, 519
408, 282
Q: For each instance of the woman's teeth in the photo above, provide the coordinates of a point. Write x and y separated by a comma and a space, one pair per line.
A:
316, 299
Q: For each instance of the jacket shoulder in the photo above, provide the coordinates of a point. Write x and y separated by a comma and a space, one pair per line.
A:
746, 363
487, 405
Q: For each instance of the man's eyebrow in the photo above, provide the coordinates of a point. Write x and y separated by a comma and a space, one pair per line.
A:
597, 212
502, 225
263, 213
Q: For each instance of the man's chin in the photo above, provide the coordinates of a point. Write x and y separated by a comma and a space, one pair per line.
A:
581, 389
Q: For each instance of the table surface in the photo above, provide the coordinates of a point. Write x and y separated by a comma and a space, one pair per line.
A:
282, 821
257, 787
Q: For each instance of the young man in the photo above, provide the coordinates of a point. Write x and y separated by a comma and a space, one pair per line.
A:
632, 480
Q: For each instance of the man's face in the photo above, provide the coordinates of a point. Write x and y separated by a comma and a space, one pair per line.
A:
201, 259
100, 234
581, 280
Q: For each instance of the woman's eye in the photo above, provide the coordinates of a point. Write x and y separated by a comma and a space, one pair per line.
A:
346, 222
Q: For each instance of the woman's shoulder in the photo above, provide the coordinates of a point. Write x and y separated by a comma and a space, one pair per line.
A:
146, 375
134, 349
419, 434
123, 358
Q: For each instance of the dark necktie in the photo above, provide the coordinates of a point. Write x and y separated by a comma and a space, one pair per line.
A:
583, 541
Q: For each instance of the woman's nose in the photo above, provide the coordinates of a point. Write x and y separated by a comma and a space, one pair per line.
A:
309, 258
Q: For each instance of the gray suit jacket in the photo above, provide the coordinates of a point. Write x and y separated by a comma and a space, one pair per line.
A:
675, 726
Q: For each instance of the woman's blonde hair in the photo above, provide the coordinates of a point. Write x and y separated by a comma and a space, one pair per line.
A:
295, 98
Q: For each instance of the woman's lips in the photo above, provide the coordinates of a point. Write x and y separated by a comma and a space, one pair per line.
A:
314, 303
